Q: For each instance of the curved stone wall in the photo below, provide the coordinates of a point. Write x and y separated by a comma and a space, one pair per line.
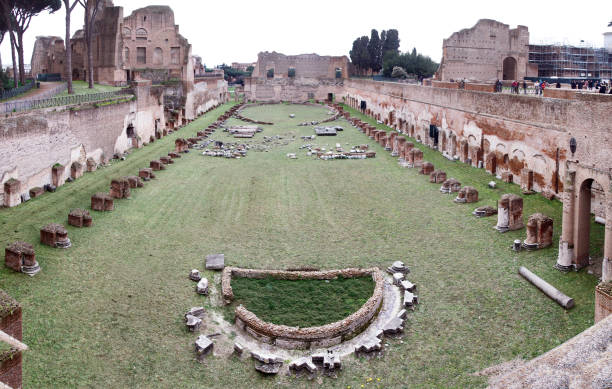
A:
310, 337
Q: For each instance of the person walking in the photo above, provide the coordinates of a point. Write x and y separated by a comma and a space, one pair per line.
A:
524, 87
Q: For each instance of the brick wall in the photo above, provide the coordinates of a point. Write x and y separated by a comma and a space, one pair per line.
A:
10, 323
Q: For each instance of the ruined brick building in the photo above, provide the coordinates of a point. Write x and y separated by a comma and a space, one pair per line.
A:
144, 45
488, 51
492, 51
48, 55
295, 77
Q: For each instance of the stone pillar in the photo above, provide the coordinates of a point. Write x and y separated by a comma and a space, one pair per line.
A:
566, 243
57, 175
606, 265
12, 197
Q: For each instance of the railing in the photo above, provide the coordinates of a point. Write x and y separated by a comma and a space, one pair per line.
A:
25, 105
8, 94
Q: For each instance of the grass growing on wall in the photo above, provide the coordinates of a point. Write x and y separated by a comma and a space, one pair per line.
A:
302, 303
109, 311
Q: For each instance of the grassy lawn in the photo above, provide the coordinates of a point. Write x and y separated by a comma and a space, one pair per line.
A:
302, 303
82, 88
108, 311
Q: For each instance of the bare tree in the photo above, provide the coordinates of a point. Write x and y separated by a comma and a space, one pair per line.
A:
91, 11
68, 65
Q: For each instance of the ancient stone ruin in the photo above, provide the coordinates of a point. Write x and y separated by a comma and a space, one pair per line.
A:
102, 202
485, 211
527, 181
20, 257
12, 195
539, 232
437, 177
57, 175
135, 182
92, 165
181, 145
467, 194
450, 186
55, 235
80, 218
427, 168
76, 170
510, 213
146, 174
120, 188
157, 165
36, 192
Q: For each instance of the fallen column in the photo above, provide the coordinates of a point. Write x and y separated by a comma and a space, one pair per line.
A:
549, 290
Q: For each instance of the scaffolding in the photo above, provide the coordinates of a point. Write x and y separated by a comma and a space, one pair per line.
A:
566, 61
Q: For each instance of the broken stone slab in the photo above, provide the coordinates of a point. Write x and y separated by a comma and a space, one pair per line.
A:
410, 299
203, 345
304, 363
193, 323
195, 275
266, 358
394, 326
398, 267
398, 278
268, 368
215, 262
407, 285
369, 345
402, 314
202, 287
238, 348
195, 311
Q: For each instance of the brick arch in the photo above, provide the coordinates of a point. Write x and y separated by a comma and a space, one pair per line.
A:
575, 234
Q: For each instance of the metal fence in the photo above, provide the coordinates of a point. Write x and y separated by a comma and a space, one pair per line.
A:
8, 94
25, 105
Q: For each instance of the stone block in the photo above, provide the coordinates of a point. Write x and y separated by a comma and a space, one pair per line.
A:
174, 155
135, 182
527, 181
467, 194
193, 323
79, 218
394, 326
450, 186
437, 177
181, 145
146, 174
325, 343
157, 165
55, 235
485, 211
102, 202
76, 170
426, 168
539, 232
304, 363
57, 175
261, 337
215, 262
202, 286
92, 165
166, 160
291, 344
603, 301
203, 346
12, 195
36, 192
120, 188
20, 257
369, 345
509, 213
195, 275
507, 177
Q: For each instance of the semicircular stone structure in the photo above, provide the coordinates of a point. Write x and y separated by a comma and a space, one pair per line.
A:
311, 337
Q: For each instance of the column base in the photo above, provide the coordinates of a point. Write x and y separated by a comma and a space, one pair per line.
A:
566, 254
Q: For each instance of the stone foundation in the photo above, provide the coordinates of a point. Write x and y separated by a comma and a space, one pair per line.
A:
12, 196
603, 301
80, 218
102, 202
294, 337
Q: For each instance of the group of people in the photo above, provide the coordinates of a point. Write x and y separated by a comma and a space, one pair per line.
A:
598, 85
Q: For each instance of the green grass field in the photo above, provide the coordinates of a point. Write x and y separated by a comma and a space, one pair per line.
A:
301, 303
82, 88
108, 311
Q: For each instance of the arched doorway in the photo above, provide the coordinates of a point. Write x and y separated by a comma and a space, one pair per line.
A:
584, 204
509, 69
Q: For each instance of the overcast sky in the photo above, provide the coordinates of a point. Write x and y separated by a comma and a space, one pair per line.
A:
221, 31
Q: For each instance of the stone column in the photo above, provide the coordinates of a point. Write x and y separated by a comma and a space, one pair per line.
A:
566, 243
606, 265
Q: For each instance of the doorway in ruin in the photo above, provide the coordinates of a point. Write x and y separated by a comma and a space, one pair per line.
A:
509, 69
588, 202
130, 131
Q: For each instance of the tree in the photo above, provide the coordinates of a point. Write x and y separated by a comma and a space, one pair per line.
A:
359, 54
22, 13
68, 65
6, 7
3, 29
391, 42
398, 72
413, 63
91, 11
375, 51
